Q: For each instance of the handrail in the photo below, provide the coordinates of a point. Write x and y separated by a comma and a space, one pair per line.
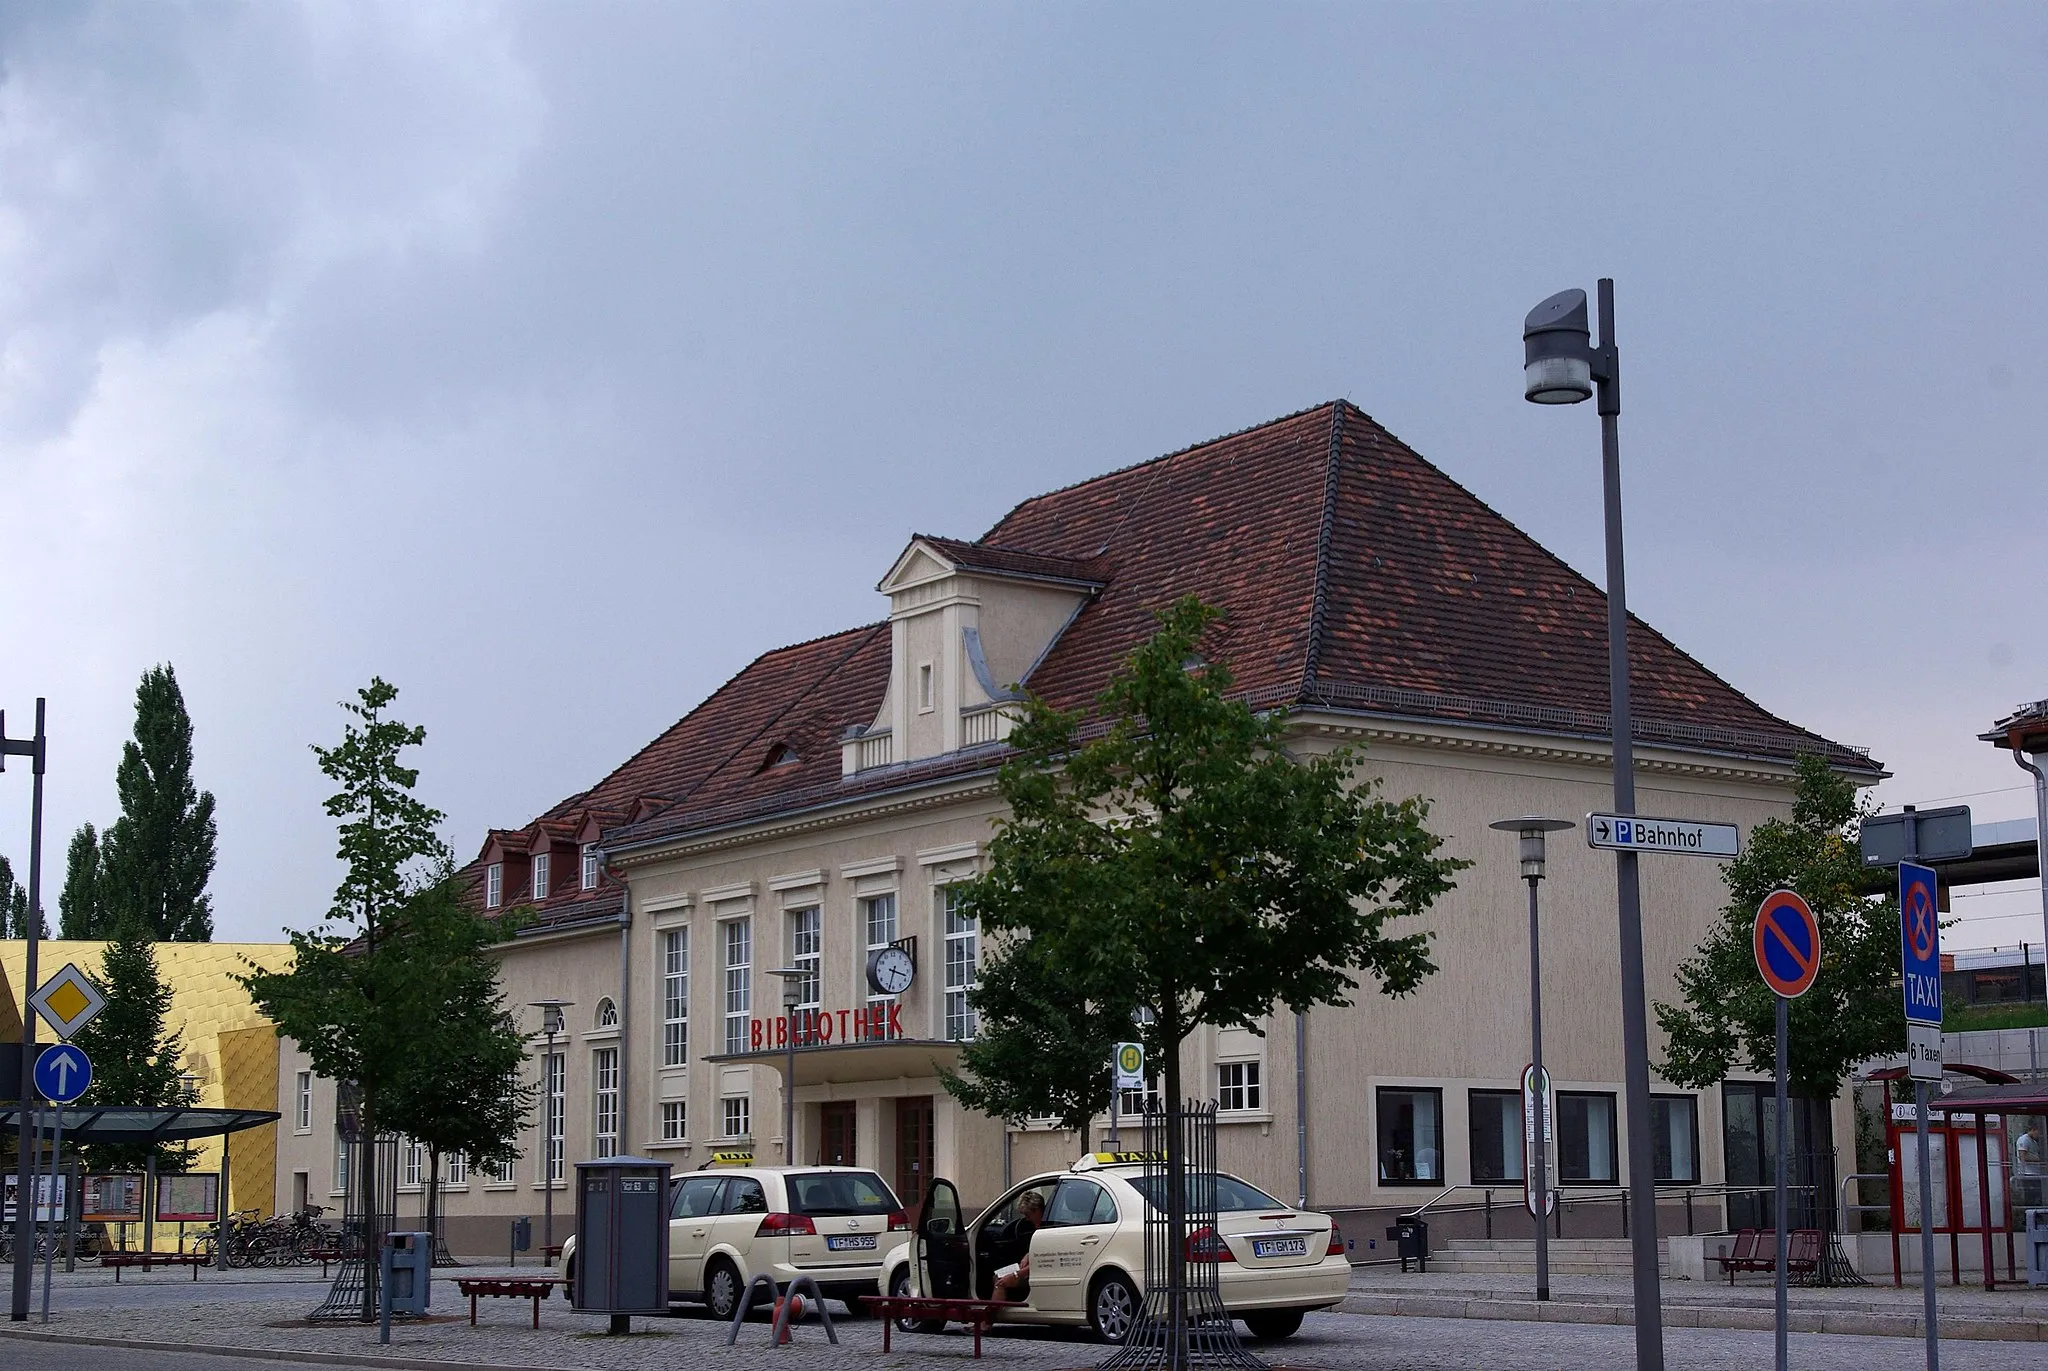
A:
1845, 1209
1447, 1190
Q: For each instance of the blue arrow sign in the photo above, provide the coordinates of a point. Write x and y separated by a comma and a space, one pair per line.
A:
1920, 943
62, 1073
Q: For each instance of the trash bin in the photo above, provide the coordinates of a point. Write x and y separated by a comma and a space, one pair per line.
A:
409, 1272
1411, 1238
621, 1238
2037, 1247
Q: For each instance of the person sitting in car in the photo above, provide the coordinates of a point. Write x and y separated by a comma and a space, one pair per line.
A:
1013, 1283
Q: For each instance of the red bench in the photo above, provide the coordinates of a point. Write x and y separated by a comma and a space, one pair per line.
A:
146, 1260
1757, 1250
979, 1315
535, 1288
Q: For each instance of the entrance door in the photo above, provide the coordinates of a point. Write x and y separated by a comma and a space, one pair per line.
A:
913, 1148
835, 1133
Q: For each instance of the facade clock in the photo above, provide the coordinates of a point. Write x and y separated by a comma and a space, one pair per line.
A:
891, 970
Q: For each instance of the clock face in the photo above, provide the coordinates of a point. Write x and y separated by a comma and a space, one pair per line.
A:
891, 970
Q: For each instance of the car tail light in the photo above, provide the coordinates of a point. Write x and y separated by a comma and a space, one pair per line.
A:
899, 1222
785, 1225
1207, 1245
1336, 1240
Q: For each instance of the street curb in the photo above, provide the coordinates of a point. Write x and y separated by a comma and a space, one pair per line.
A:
1861, 1323
267, 1353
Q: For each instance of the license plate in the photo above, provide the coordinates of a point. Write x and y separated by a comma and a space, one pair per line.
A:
859, 1242
1280, 1247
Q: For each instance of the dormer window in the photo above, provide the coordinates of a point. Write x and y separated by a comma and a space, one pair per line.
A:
494, 885
782, 754
924, 688
590, 866
540, 875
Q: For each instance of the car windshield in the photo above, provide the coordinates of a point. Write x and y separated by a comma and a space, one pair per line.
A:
1230, 1192
840, 1192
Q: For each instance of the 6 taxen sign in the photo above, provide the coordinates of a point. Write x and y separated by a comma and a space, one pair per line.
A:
1920, 943
1787, 944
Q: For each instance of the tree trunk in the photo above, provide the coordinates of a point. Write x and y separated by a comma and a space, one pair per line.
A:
1170, 1034
373, 1236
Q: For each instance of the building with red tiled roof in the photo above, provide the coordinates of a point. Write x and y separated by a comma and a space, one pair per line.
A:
817, 806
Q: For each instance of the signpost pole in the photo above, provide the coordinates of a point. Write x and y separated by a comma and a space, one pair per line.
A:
1926, 1168
56, 1228
24, 1212
1788, 952
1783, 1142
1539, 1178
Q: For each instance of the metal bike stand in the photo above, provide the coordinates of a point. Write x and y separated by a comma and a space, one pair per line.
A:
781, 1323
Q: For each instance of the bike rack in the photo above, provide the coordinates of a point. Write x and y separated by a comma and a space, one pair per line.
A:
781, 1323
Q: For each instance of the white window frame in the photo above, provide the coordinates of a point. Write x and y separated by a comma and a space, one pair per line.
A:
607, 1013
926, 688
888, 933
555, 1116
542, 869
675, 996
458, 1170
1240, 1088
675, 1120
302, 1103
806, 952
736, 1116
736, 957
344, 1159
961, 966
494, 885
412, 1165
590, 866
505, 1172
604, 1102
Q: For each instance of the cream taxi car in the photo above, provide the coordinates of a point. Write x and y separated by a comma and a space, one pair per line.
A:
1276, 1262
728, 1224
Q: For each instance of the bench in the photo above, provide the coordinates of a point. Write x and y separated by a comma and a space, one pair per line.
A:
535, 1288
978, 1315
551, 1254
146, 1260
1757, 1250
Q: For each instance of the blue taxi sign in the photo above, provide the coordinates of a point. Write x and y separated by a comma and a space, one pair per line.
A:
1920, 943
1787, 944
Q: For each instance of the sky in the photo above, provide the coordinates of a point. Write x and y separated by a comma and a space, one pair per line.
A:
553, 361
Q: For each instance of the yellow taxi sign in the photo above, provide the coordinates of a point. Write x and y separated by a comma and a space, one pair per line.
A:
68, 1001
1094, 1159
731, 1156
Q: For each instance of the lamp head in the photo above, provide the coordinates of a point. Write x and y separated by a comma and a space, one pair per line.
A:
1557, 351
551, 1016
1531, 828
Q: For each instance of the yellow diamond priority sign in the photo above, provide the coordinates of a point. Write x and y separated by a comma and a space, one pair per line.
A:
68, 1001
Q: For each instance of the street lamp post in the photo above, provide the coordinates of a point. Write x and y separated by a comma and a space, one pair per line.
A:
1562, 366
793, 979
1531, 828
551, 1024
36, 750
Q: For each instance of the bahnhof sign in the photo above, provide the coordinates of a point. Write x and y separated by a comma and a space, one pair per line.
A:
784, 858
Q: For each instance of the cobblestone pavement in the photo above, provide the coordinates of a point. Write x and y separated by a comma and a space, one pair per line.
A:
1327, 1342
1750, 1292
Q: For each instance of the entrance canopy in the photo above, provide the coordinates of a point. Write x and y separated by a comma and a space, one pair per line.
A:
850, 1063
134, 1124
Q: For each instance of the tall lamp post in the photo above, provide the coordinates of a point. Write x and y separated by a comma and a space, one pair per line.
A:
1531, 829
36, 750
1562, 366
551, 1020
794, 979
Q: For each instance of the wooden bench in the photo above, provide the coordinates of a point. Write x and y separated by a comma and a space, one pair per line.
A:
978, 1315
535, 1288
146, 1260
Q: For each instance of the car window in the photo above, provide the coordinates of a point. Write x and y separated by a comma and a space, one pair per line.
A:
743, 1195
1230, 1192
1105, 1208
1073, 1203
1013, 1206
839, 1192
696, 1197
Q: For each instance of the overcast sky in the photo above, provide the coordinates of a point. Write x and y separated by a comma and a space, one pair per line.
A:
553, 361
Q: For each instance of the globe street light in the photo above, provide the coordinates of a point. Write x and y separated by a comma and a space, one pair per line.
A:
551, 1024
1562, 366
793, 986
1531, 828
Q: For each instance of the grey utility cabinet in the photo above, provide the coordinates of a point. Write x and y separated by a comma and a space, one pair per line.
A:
2036, 1238
621, 1238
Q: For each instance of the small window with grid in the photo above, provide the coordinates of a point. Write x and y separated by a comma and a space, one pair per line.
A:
675, 1120
736, 1117
1237, 1086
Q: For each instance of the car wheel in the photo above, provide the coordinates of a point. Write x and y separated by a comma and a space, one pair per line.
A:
1274, 1324
722, 1290
899, 1286
569, 1282
1113, 1309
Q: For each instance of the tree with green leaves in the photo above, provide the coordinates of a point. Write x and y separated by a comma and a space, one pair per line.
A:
1727, 1021
14, 906
81, 905
135, 1055
345, 999
156, 858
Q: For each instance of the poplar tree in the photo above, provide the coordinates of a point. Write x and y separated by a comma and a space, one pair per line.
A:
135, 1055
14, 906
157, 857
81, 908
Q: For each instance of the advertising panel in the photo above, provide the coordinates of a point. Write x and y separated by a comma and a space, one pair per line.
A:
191, 1198
111, 1199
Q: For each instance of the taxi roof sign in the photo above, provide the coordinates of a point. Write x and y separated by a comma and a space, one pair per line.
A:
731, 1156
68, 1001
1095, 1159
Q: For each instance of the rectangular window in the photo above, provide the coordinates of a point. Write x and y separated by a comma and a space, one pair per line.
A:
736, 1120
675, 1120
924, 686
1497, 1153
1585, 1139
1237, 1085
739, 981
604, 1099
302, 1107
556, 1072
494, 885
458, 1168
540, 875
413, 1168
675, 997
806, 942
1131, 1104
878, 912
344, 1156
590, 866
502, 1173
1675, 1136
1411, 1136
963, 938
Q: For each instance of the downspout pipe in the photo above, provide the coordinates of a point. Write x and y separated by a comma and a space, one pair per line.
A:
2028, 762
1301, 1103
625, 1003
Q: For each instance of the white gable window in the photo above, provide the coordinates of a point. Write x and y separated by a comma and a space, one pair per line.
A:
540, 875
494, 885
590, 866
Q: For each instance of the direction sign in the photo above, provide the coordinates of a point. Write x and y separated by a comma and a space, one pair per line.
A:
1939, 835
68, 1001
1637, 833
62, 1073
1787, 944
1920, 943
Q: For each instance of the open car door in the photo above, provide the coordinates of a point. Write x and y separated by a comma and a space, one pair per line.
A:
944, 1265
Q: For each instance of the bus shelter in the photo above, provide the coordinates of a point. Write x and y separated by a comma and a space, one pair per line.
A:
2005, 1122
1967, 1162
